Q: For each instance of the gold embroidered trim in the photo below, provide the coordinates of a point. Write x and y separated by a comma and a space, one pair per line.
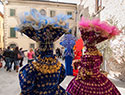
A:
76, 60
44, 68
96, 52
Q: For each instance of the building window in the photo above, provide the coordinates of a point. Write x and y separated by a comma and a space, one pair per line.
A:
12, 12
0, 38
75, 32
32, 46
12, 33
52, 13
0, 24
43, 12
81, 16
98, 4
70, 14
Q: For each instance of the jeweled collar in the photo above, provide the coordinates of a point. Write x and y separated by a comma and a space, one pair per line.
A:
47, 65
47, 59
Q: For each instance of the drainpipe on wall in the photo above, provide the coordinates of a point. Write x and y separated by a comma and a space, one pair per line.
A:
94, 15
4, 2
78, 17
3, 24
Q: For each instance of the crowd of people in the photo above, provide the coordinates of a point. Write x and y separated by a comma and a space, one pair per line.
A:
15, 57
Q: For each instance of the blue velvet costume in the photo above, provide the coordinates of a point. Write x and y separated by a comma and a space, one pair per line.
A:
68, 41
43, 76
68, 63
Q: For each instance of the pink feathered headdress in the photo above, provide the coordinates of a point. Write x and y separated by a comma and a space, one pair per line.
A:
103, 27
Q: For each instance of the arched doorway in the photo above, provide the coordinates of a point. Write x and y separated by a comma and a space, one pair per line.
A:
43, 12
13, 45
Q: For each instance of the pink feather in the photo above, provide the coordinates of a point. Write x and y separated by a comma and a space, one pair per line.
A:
99, 26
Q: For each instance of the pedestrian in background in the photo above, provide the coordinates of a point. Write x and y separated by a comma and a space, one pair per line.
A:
23, 55
30, 56
1, 57
17, 57
57, 52
1, 53
6, 56
12, 56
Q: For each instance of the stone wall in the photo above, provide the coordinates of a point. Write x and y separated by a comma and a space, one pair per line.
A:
114, 13
1, 31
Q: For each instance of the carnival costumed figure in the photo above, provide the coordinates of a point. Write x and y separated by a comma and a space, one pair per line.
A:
43, 76
89, 80
68, 41
77, 54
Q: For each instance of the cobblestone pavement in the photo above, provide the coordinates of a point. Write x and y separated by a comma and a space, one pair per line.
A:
9, 83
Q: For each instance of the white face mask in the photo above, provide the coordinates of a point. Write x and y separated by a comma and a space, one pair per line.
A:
83, 50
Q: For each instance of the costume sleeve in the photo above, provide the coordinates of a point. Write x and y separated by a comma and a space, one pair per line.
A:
27, 79
76, 63
62, 74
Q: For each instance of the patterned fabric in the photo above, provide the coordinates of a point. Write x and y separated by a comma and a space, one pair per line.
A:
34, 82
43, 35
89, 80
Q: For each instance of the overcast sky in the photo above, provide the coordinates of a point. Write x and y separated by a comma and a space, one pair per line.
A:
1, 8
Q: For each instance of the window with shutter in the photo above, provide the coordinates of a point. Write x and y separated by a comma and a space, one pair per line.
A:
0, 24
12, 12
52, 13
0, 38
12, 33
32, 46
70, 14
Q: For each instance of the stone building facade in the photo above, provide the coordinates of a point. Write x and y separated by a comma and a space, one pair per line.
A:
114, 13
13, 9
1, 31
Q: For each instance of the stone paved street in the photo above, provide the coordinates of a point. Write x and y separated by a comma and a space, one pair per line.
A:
9, 83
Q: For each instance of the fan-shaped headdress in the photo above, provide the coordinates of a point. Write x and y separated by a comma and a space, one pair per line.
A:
39, 27
98, 31
68, 41
42, 29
